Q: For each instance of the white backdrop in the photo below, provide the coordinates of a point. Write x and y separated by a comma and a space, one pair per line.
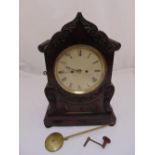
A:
40, 19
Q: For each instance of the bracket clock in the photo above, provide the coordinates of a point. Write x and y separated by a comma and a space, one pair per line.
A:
79, 62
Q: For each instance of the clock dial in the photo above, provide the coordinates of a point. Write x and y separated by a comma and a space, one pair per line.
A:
80, 69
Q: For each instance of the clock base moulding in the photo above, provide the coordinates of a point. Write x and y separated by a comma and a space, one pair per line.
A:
78, 119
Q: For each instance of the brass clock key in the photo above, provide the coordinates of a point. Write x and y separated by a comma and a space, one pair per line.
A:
55, 140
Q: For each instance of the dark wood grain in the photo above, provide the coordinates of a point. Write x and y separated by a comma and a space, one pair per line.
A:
64, 107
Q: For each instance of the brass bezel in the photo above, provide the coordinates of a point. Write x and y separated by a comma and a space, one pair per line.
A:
101, 59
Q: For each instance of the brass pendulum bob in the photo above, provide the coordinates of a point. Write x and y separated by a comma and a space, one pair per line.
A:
55, 140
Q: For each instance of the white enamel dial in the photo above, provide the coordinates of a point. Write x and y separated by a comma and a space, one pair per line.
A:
80, 69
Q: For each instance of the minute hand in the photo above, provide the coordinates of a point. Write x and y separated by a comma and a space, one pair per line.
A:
77, 70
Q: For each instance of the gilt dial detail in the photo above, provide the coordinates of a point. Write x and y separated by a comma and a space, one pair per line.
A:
80, 69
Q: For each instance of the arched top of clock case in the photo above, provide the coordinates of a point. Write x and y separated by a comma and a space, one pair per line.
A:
79, 31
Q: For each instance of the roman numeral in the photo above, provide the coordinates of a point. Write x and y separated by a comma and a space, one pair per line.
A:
88, 85
68, 55
70, 85
80, 53
79, 87
61, 72
63, 62
95, 62
97, 70
88, 55
64, 79
94, 79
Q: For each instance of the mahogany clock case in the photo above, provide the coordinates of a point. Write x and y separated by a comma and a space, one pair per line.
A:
66, 109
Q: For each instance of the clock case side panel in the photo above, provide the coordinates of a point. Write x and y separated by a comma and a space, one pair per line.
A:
79, 31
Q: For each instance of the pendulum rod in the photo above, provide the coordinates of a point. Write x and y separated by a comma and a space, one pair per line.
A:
83, 132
